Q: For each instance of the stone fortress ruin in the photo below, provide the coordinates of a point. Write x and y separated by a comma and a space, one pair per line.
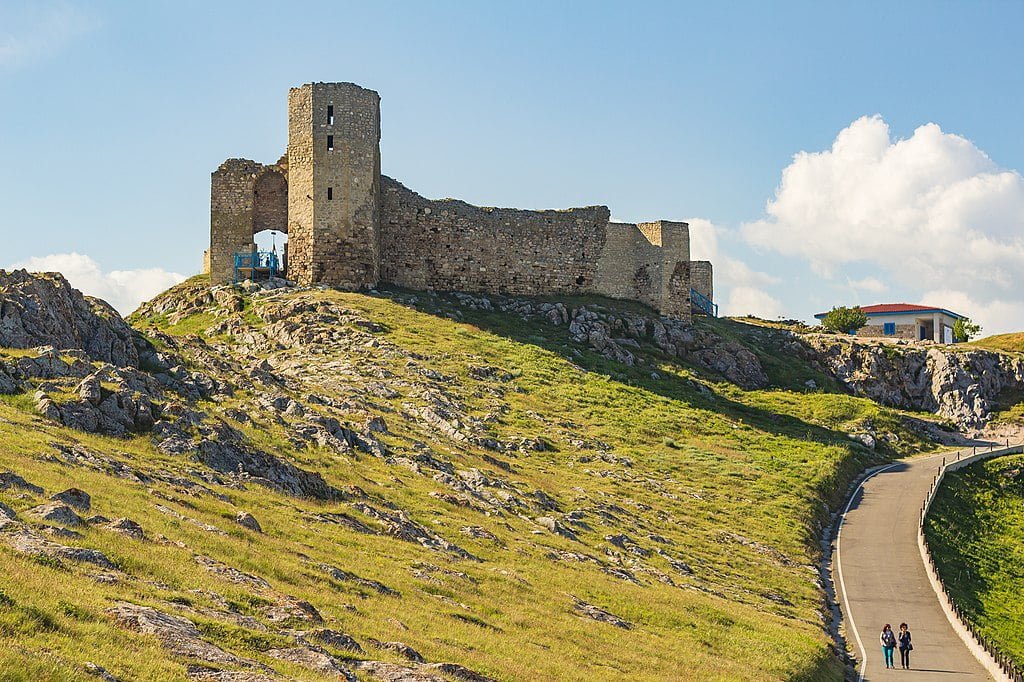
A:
350, 227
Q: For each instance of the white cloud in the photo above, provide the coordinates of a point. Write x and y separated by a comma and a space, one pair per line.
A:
744, 300
871, 285
39, 31
930, 213
123, 289
739, 289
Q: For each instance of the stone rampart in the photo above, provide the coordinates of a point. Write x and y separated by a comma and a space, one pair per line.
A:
452, 245
351, 227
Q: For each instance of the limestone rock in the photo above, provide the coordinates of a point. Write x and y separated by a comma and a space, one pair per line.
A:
339, 640
400, 648
313, 659
56, 512
599, 614
247, 520
178, 635
42, 309
127, 527
23, 540
961, 385
9, 479
73, 497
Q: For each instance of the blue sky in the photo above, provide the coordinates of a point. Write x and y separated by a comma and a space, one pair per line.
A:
114, 114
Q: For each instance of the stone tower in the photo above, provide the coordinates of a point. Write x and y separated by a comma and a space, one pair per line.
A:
334, 185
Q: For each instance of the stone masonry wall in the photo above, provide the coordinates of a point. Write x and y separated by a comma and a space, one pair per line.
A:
702, 278
246, 197
629, 266
451, 245
231, 200
903, 331
334, 180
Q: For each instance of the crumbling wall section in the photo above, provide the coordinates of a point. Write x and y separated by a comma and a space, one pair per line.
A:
231, 204
629, 266
452, 245
702, 278
246, 197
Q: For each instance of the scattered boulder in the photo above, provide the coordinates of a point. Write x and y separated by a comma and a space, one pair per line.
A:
178, 635
58, 513
9, 479
313, 659
247, 520
400, 648
290, 609
127, 527
23, 540
73, 497
339, 640
459, 672
601, 615
392, 672
100, 672
554, 526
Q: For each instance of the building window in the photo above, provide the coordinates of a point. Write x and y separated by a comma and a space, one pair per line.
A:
330, 143
330, 114
889, 329
330, 193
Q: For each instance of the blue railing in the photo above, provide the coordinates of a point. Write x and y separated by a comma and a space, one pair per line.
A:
703, 303
250, 264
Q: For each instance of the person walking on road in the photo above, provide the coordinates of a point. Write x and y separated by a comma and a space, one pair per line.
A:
905, 646
888, 640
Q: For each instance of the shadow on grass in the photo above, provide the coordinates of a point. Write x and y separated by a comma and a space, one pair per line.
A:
555, 339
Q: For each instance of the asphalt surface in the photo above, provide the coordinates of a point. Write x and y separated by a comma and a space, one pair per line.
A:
879, 567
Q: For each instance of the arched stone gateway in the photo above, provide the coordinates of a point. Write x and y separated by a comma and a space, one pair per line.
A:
246, 197
270, 202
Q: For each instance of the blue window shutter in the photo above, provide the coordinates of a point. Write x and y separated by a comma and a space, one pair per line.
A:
889, 329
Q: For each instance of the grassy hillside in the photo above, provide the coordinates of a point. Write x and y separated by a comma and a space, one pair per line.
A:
976, 532
567, 517
1013, 343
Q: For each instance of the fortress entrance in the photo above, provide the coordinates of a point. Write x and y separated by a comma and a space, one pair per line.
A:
270, 202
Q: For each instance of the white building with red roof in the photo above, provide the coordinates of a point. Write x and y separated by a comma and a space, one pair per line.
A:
908, 321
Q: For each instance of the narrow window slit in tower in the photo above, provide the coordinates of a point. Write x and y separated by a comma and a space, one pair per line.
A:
330, 143
330, 114
330, 193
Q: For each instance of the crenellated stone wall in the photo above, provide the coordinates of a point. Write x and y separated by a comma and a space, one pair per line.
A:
351, 227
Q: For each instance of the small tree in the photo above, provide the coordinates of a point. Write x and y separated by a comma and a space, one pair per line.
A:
845, 320
965, 330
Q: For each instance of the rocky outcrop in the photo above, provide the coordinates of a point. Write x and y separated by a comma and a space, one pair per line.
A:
616, 334
44, 310
962, 385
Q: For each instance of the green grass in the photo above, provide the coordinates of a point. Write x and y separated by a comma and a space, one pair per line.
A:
976, 532
1013, 342
736, 482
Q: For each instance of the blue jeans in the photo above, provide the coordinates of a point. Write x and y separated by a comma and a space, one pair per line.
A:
887, 653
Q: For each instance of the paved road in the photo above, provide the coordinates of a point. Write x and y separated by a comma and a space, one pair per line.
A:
879, 566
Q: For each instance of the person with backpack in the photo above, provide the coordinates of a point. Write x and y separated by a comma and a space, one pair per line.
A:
905, 646
888, 640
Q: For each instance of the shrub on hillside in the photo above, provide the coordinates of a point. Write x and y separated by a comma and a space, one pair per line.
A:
965, 330
843, 319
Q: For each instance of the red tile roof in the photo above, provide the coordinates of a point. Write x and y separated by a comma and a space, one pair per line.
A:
898, 308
